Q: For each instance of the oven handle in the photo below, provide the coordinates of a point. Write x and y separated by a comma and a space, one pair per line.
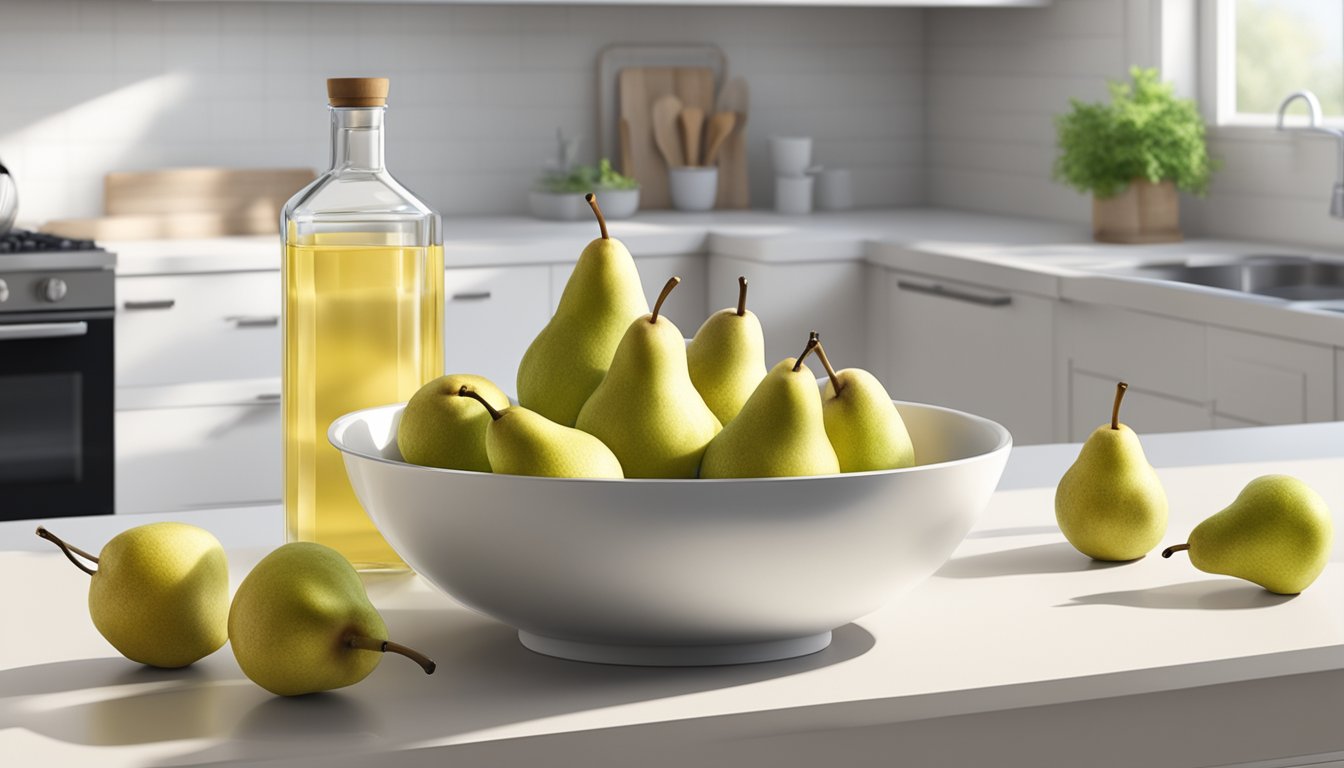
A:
43, 331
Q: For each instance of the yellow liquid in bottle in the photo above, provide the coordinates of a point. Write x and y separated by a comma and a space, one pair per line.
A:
363, 327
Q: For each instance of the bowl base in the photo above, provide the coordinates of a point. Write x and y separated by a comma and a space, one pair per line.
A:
675, 655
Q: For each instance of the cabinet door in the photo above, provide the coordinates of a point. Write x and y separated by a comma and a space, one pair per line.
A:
793, 299
490, 316
197, 456
175, 329
1145, 411
1256, 379
975, 349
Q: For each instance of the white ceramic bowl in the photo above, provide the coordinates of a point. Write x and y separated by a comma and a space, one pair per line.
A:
616, 203
693, 188
678, 572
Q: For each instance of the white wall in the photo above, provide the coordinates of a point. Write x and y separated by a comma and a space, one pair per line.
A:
996, 78
91, 86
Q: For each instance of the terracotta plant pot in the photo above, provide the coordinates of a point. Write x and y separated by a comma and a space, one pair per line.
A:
1144, 213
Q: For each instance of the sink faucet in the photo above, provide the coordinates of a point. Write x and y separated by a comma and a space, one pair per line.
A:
1314, 125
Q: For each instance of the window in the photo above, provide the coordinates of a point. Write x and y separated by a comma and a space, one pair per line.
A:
1266, 49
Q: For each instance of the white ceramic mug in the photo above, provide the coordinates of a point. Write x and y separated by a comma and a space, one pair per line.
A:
793, 194
835, 189
693, 188
790, 155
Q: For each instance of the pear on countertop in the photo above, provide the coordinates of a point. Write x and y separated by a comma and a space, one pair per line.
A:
1277, 533
726, 357
568, 359
779, 432
863, 425
646, 410
521, 442
1110, 504
301, 622
160, 594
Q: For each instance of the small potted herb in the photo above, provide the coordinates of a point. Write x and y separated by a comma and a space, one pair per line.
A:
1133, 155
559, 195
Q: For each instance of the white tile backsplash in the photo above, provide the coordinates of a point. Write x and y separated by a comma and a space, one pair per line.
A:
477, 91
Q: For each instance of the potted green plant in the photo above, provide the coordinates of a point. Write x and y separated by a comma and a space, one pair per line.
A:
559, 194
1133, 155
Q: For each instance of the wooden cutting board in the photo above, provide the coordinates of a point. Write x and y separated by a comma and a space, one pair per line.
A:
639, 88
235, 192
733, 183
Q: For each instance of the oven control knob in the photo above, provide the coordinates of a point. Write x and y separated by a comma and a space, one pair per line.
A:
4, 291
54, 289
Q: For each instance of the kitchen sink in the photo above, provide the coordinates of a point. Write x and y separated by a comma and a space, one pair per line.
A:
1290, 278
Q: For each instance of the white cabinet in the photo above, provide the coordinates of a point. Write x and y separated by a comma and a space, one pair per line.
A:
1255, 379
1339, 383
490, 315
195, 446
973, 348
792, 299
175, 329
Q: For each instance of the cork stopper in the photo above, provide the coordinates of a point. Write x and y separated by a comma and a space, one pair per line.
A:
357, 91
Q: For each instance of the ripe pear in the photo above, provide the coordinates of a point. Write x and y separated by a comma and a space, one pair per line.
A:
779, 432
160, 594
646, 409
439, 429
568, 359
522, 442
1110, 504
301, 622
727, 357
863, 425
1277, 533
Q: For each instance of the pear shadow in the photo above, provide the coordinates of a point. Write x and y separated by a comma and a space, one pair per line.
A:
1055, 557
1205, 594
1018, 530
330, 715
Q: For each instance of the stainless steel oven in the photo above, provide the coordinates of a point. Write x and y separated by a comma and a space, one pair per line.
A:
56, 378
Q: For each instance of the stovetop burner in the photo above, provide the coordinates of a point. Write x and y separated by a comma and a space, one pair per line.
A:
23, 241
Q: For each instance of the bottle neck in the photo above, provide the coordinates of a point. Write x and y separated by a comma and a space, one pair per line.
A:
357, 138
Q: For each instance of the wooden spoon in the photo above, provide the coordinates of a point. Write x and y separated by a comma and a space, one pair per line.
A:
692, 122
665, 112
720, 126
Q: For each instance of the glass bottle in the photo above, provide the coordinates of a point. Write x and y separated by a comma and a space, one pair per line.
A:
363, 317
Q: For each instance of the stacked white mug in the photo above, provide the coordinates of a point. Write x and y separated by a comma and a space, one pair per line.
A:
791, 157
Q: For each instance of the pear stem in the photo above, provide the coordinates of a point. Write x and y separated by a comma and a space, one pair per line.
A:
826, 363
473, 394
741, 295
1115, 409
1173, 549
69, 550
601, 220
813, 341
387, 646
658, 305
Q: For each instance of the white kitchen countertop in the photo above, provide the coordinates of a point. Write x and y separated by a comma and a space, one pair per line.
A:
1006, 645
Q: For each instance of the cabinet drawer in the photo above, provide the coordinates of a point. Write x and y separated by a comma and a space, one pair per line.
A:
171, 459
174, 329
490, 316
1258, 379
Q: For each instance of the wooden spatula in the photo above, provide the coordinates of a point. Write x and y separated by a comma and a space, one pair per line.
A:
720, 127
665, 112
692, 121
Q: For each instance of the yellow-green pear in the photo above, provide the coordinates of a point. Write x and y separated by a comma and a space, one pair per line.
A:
726, 357
1277, 533
646, 409
439, 429
568, 359
863, 425
301, 622
160, 594
522, 442
1110, 504
779, 432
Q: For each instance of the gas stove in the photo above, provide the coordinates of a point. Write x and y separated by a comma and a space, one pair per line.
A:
23, 251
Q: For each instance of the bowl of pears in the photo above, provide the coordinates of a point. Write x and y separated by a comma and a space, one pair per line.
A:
650, 500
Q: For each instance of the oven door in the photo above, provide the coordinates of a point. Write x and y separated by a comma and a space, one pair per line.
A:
56, 401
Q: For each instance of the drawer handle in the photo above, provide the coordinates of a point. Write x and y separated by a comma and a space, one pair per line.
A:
267, 397
472, 296
254, 321
151, 304
936, 289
